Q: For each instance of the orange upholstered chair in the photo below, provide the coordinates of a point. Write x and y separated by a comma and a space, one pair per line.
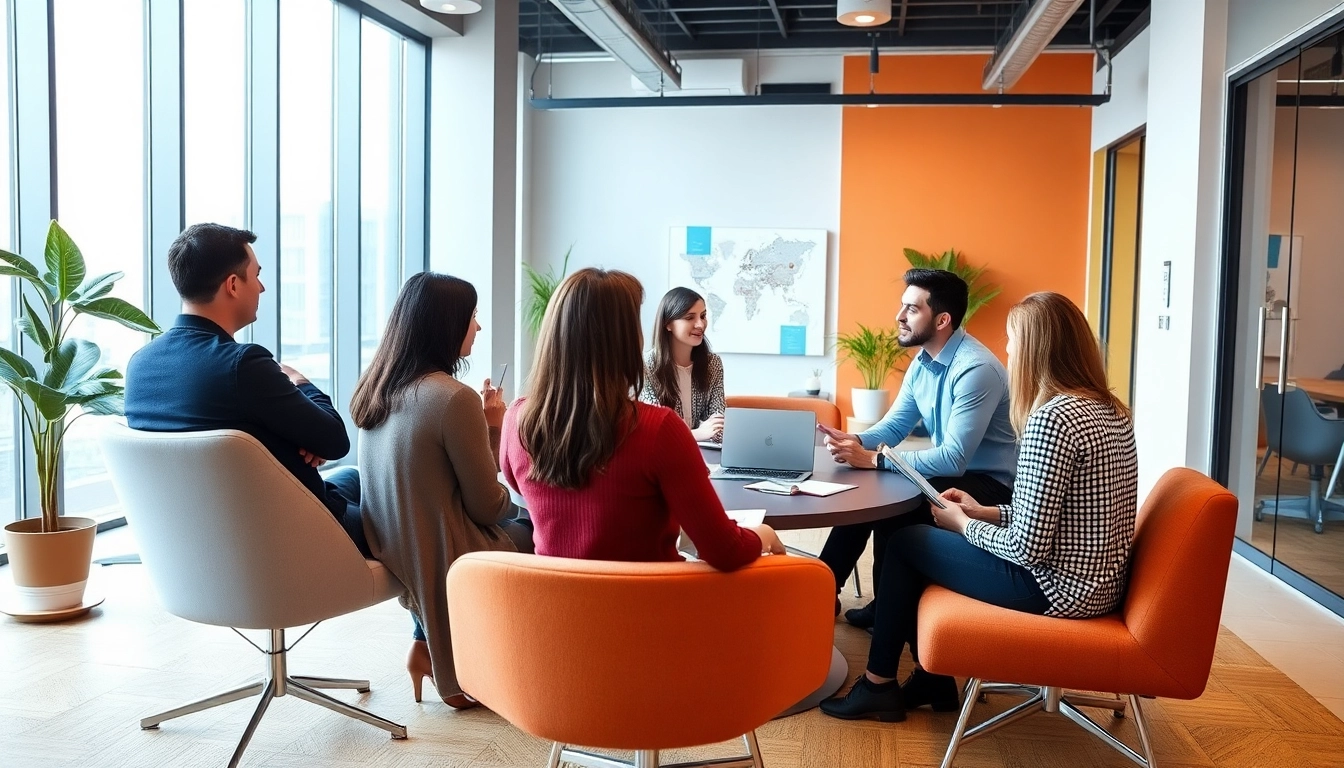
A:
827, 412
1160, 642
639, 656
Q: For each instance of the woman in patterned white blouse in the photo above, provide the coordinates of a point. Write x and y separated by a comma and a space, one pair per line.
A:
682, 373
1061, 548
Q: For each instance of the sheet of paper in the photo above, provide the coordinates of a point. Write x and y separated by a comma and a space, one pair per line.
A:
822, 488
747, 517
766, 486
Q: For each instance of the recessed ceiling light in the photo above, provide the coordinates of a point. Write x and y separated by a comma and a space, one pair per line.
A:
458, 7
865, 18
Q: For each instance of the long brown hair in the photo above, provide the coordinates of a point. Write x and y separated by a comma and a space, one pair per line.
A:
425, 331
1054, 353
585, 373
676, 303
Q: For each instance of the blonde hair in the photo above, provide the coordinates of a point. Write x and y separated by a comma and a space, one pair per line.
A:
1054, 353
587, 366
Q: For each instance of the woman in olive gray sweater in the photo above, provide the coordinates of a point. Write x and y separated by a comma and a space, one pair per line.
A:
428, 457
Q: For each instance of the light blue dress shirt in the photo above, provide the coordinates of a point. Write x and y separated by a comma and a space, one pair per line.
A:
962, 396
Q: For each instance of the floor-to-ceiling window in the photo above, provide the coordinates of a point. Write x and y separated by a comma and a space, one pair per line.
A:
1114, 268
214, 111
1282, 404
9, 464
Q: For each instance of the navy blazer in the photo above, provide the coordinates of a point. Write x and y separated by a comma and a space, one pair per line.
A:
195, 377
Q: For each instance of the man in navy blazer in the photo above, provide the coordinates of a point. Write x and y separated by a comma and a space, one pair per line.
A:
196, 377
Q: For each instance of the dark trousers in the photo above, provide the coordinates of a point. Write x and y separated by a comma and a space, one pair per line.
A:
343, 501
846, 543
919, 555
519, 531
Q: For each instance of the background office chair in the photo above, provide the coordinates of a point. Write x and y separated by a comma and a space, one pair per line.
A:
1299, 432
231, 538
1160, 642
642, 656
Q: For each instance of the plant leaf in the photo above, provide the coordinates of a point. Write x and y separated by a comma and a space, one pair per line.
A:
118, 310
97, 286
90, 388
22, 266
65, 264
52, 404
14, 368
70, 362
32, 326
106, 405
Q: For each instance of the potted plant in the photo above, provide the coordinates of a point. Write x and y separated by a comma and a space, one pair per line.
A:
952, 261
49, 555
812, 385
540, 286
875, 353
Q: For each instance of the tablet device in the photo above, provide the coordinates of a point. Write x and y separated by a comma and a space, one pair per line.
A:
931, 493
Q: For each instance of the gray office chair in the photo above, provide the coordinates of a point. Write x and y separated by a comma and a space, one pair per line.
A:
1298, 432
231, 538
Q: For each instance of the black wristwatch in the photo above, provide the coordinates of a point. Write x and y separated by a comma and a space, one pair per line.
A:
881, 462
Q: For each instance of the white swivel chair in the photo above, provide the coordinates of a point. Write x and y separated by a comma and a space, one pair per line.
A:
231, 538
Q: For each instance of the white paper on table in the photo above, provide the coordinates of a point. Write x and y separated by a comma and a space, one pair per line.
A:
746, 517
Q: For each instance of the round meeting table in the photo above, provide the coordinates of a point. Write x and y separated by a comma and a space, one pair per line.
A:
879, 495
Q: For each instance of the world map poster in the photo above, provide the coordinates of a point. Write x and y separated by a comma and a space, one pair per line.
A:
765, 288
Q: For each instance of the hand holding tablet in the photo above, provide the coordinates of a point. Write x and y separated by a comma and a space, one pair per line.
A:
894, 459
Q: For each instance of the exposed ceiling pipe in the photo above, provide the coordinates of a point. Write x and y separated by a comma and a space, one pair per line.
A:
619, 28
836, 99
1029, 32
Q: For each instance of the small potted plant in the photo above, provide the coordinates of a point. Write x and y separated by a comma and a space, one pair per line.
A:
876, 353
812, 385
50, 554
537, 294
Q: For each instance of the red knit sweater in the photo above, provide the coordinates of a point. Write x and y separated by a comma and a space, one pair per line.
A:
655, 483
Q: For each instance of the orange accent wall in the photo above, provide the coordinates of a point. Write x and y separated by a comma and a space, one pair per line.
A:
1008, 187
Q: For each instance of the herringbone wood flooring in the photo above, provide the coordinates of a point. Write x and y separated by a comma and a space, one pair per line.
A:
71, 695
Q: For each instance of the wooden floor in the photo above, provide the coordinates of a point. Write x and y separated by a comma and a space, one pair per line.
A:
1318, 556
71, 695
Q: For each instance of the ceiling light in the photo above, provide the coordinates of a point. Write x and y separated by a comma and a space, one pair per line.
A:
863, 13
451, 6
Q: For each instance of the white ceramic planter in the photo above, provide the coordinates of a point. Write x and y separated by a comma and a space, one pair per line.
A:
812, 385
870, 405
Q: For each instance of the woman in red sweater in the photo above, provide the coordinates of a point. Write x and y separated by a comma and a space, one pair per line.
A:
606, 477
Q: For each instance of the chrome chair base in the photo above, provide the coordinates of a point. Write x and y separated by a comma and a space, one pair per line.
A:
648, 758
278, 683
1049, 699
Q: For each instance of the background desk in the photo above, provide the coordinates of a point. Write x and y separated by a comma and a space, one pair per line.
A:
879, 495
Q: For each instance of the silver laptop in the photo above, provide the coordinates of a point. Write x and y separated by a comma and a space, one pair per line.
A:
760, 444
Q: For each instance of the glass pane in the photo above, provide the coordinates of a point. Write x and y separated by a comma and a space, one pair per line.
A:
100, 182
307, 75
8, 438
214, 60
381, 162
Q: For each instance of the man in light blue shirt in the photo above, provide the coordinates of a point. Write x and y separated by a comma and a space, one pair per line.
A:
959, 389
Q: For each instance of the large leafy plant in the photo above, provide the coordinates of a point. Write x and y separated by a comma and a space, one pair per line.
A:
69, 374
954, 262
537, 293
876, 353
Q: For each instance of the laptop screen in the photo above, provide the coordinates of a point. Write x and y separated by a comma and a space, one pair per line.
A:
757, 438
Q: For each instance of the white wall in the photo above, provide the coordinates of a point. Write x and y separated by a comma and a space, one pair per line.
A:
1256, 27
1127, 111
612, 182
1314, 213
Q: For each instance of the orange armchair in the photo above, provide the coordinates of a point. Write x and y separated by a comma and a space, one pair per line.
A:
827, 412
1160, 642
639, 656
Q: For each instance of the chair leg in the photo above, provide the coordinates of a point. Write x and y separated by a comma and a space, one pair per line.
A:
267, 694
332, 683
858, 585
301, 691
646, 758
971, 693
1141, 723
242, 692
1081, 718
554, 760
1263, 462
753, 749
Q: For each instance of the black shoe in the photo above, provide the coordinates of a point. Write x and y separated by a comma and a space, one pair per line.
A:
864, 617
938, 691
868, 701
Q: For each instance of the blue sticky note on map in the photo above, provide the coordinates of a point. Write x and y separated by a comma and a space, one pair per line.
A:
1275, 244
793, 339
698, 241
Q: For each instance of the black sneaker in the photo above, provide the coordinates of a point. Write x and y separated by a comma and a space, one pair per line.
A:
937, 691
864, 617
868, 701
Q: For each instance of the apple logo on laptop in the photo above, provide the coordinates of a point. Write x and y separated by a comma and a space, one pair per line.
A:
769, 441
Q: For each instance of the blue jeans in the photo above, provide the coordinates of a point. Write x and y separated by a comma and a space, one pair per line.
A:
343, 500
920, 555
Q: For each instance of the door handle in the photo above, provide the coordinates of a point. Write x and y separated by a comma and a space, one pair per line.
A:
1283, 350
1260, 353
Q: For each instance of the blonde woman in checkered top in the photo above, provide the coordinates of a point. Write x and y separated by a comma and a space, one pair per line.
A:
1060, 548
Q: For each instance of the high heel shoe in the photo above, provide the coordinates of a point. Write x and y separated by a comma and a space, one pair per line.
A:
418, 666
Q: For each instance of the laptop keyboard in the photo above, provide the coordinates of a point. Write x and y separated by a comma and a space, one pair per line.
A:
765, 474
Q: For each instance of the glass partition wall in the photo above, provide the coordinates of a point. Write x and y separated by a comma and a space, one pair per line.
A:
142, 117
1282, 399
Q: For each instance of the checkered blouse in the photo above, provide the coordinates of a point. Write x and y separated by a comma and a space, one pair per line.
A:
703, 403
1071, 521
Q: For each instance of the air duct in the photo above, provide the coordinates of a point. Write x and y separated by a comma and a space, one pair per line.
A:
619, 28
1029, 32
